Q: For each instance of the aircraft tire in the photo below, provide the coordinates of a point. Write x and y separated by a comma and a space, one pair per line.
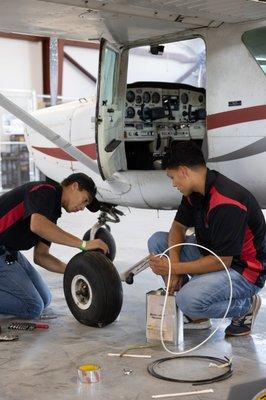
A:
105, 235
93, 289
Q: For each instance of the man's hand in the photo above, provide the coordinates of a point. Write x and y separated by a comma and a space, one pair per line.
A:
159, 265
175, 283
97, 244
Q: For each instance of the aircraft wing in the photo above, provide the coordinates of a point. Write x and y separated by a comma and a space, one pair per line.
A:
122, 21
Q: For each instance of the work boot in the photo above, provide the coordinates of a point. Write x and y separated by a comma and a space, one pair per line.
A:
203, 323
242, 326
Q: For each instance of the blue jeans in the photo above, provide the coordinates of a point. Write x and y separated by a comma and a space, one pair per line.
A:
23, 292
207, 295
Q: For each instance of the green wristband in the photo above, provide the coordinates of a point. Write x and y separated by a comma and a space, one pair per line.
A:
83, 245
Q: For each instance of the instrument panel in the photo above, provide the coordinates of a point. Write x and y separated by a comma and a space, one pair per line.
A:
164, 110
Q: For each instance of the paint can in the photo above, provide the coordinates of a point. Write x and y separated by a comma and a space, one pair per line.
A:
173, 318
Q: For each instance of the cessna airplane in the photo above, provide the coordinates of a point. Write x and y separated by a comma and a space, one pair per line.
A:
121, 145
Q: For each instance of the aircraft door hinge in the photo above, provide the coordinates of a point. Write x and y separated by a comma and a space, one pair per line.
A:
99, 120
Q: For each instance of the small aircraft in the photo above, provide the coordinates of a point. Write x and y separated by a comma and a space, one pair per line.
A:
121, 144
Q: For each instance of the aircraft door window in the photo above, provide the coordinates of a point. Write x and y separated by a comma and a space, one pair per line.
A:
255, 41
109, 76
109, 110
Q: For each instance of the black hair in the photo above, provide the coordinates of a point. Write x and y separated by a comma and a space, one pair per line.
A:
183, 153
83, 180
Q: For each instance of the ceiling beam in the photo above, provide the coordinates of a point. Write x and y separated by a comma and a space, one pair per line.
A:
65, 42
18, 36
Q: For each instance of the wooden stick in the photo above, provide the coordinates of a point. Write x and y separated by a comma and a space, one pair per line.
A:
129, 355
160, 396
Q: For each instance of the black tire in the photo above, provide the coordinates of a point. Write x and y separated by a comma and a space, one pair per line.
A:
105, 235
102, 306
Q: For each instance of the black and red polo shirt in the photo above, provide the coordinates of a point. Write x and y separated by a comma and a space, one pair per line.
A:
228, 221
16, 208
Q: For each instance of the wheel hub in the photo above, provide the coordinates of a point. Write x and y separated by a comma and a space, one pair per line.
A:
81, 292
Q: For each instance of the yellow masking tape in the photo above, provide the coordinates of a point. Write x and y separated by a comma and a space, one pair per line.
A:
89, 373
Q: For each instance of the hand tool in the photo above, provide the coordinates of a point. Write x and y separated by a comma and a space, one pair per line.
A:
27, 326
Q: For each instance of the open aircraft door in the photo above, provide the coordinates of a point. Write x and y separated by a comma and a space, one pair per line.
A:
110, 110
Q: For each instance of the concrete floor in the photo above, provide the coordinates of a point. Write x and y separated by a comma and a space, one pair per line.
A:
43, 365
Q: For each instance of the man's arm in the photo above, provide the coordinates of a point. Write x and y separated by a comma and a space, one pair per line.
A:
177, 235
43, 258
46, 229
201, 266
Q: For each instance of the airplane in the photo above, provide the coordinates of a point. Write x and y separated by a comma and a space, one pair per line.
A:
121, 144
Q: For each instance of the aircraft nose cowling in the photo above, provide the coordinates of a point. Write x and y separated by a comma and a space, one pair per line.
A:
157, 191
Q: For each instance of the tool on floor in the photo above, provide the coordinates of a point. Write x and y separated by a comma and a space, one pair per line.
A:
27, 326
48, 316
127, 371
8, 337
89, 373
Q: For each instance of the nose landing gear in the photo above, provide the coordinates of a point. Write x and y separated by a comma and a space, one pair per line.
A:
101, 230
92, 285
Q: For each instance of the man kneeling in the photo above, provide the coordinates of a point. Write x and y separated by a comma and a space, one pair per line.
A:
228, 221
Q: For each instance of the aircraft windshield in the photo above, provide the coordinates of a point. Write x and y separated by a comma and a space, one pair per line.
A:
179, 62
255, 41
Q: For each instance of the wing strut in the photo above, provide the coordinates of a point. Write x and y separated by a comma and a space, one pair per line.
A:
48, 133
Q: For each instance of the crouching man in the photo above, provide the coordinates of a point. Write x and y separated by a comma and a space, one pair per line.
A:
28, 217
228, 221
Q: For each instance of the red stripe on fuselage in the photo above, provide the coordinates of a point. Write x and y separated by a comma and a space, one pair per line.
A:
88, 149
236, 117
11, 217
249, 255
214, 121
218, 199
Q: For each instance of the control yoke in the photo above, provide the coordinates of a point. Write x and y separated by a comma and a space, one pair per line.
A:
148, 114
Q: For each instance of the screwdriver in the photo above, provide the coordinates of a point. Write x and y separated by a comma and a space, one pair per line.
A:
27, 326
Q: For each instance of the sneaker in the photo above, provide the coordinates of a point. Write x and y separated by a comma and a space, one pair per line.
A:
203, 323
243, 326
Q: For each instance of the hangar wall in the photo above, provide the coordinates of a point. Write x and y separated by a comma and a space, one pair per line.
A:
21, 65
22, 80
76, 84
21, 68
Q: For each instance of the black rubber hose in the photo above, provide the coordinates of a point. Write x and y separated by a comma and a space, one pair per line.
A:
227, 374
